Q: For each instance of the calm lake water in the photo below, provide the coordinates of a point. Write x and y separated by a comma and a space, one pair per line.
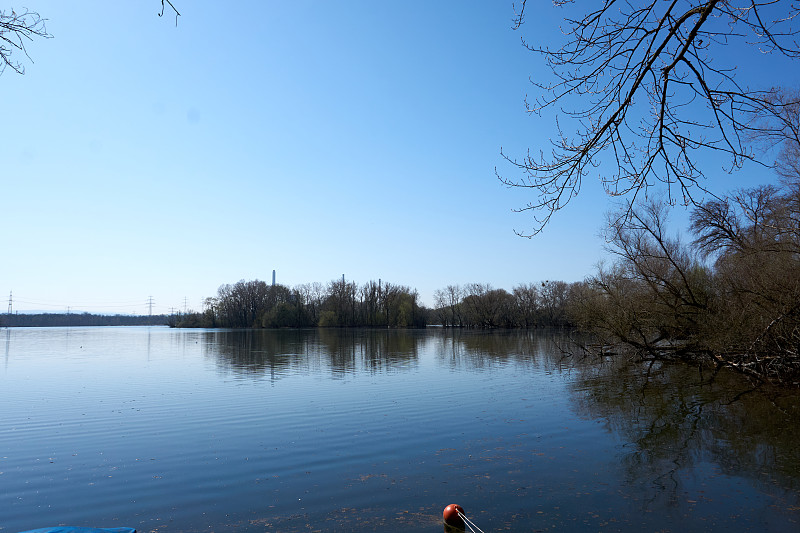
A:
355, 431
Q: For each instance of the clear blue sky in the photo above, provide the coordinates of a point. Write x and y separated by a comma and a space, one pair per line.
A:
313, 138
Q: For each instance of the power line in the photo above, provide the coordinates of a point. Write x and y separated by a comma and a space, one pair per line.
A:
62, 306
50, 308
123, 307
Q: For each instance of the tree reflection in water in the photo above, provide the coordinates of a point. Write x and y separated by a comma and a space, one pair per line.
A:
675, 419
672, 417
679, 428
292, 351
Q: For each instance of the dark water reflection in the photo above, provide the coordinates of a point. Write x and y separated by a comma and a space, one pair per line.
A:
674, 420
340, 351
377, 430
345, 351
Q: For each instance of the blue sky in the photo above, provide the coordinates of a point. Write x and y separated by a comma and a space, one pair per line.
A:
141, 159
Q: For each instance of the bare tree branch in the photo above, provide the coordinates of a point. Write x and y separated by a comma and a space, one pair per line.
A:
641, 83
18, 28
177, 14
15, 30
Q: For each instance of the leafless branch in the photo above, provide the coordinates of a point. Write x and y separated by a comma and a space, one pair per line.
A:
15, 30
643, 85
177, 14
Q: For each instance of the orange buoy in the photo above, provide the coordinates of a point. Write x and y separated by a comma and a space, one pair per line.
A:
452, 517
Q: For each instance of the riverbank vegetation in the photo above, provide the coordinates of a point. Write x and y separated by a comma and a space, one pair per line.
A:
730, 297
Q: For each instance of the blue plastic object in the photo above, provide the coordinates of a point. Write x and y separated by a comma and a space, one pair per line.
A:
82, 530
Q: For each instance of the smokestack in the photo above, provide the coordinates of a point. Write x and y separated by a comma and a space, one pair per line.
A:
273, 278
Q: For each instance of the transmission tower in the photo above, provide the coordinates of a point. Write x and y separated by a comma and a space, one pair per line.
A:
150, 306
10, 300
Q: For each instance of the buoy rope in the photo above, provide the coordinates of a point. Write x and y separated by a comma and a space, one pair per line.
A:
469, 523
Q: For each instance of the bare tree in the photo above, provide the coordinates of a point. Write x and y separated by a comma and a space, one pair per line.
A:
370, 296
16, 29
785, 134
452, 296
528, 301
642, 86
656, 300
743, 312
442, 313
488, 307
552, 298
754, 235
177, 14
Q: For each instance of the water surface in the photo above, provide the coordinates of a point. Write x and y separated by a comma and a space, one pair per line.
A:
366, 430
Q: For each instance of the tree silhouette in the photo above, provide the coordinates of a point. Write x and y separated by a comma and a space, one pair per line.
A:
18, 28
647, 92
15, 30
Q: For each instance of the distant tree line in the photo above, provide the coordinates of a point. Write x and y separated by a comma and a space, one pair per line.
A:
341, 303
528, 305
80, 319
